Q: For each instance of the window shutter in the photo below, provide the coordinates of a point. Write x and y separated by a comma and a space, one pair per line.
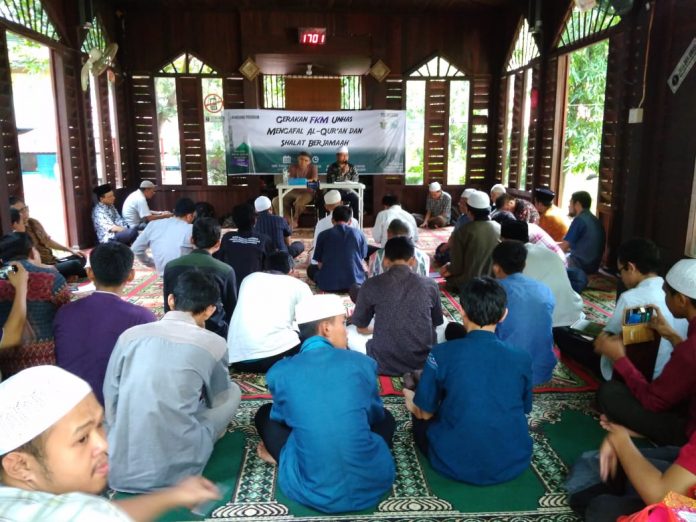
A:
548, 170
145, 123
477, 148
105, 122
516, 133
121, 119
500, 134
436, 131
191, 131
532, 130
395, 93
233, 95
9, 155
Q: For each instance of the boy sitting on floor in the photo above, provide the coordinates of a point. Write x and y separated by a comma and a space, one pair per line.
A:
470, 405
327, 428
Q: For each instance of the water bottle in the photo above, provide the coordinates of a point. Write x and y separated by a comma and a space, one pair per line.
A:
285, 176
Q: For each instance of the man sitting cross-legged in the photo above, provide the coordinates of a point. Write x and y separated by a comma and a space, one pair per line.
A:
86, 330
168, 393
469, 434
529, 323
663, 410
406, 308
332, 200
206, 238
398, 228
54, 456
276, 228
263, 328
327, 428
339, 254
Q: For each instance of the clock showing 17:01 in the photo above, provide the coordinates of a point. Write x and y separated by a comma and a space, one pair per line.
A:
312, 35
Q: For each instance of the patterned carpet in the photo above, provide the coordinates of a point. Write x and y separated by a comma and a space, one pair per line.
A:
563, 424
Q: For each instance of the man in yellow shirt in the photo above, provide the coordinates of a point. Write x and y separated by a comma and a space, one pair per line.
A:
551, 218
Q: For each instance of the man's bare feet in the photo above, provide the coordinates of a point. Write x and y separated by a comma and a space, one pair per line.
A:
263, 454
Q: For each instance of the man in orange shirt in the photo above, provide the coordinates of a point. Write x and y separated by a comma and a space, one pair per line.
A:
552, 218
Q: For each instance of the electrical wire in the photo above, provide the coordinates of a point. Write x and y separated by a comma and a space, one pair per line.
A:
647, 53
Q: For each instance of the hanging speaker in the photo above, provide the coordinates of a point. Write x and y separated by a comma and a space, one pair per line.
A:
379, 71
249, 69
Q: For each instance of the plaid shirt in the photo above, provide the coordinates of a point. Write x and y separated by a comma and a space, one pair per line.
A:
333, 173
539, 236
105, 217
376, 266
37, 506
439, 207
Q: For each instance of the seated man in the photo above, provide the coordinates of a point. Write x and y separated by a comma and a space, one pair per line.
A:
136, 211
168, 238
472, 244
584, 241
47, 291
663, 410
54, 456
544, 266
339, 254
332, 448
276, 228
442, 254
438, 208
341, 171
392, 210
398, 228
86, 330
263, 328
474, 437
638, 263
13, 327
504, 207
406, 308
529, 322
298, 198
206, 238
244, 250
525, 211
653, 473
69, 266
551, 219
168, 393
332, 199
108, 223
497, 190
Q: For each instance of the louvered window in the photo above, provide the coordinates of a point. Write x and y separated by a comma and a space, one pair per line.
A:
441, 106
9, 149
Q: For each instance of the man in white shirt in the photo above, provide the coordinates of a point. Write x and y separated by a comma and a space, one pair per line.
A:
136, 210
168, 239
546, 267
263, 329
332, 199
392, 210
54, 456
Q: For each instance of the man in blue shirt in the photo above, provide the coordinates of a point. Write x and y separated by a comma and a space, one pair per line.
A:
584, 241
339, 253
276, 228
529, 323
470, 405
332, 448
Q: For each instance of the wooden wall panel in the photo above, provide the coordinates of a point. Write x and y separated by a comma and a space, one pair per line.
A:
547, 173
479, 128
191, 131
436, 131
313, 94
146, 144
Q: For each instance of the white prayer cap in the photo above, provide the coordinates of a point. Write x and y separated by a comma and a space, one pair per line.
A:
468, 192
434, 187
499, 188
262, 203
342, 150
682, 277
479, 200
34, 400
317, 307
147, 184
332, 197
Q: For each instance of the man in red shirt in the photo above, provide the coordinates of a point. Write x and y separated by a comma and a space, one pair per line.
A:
663, 410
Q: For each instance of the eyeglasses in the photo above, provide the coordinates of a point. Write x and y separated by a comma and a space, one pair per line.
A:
24, 209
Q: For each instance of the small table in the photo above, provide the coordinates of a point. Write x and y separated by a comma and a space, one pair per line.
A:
284, 188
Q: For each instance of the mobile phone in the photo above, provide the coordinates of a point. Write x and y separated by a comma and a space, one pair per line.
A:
6, 269
638, 315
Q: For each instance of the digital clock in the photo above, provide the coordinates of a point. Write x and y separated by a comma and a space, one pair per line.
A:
312, 35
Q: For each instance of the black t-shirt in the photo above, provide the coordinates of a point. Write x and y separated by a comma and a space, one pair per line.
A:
246, 252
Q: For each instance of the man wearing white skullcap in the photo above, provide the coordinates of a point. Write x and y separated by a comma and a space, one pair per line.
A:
54, 456
442, 255
276, 228
656, 409
497, 190
327, 417
332, 199
438, 208
341, 171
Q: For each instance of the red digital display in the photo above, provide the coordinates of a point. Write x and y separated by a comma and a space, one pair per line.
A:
313, 35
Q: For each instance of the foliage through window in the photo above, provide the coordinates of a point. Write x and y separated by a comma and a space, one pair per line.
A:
29, 14
274, 92
437, 123
187, 63
168, 130
95, 38
525, 49
351, 93
581, 25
